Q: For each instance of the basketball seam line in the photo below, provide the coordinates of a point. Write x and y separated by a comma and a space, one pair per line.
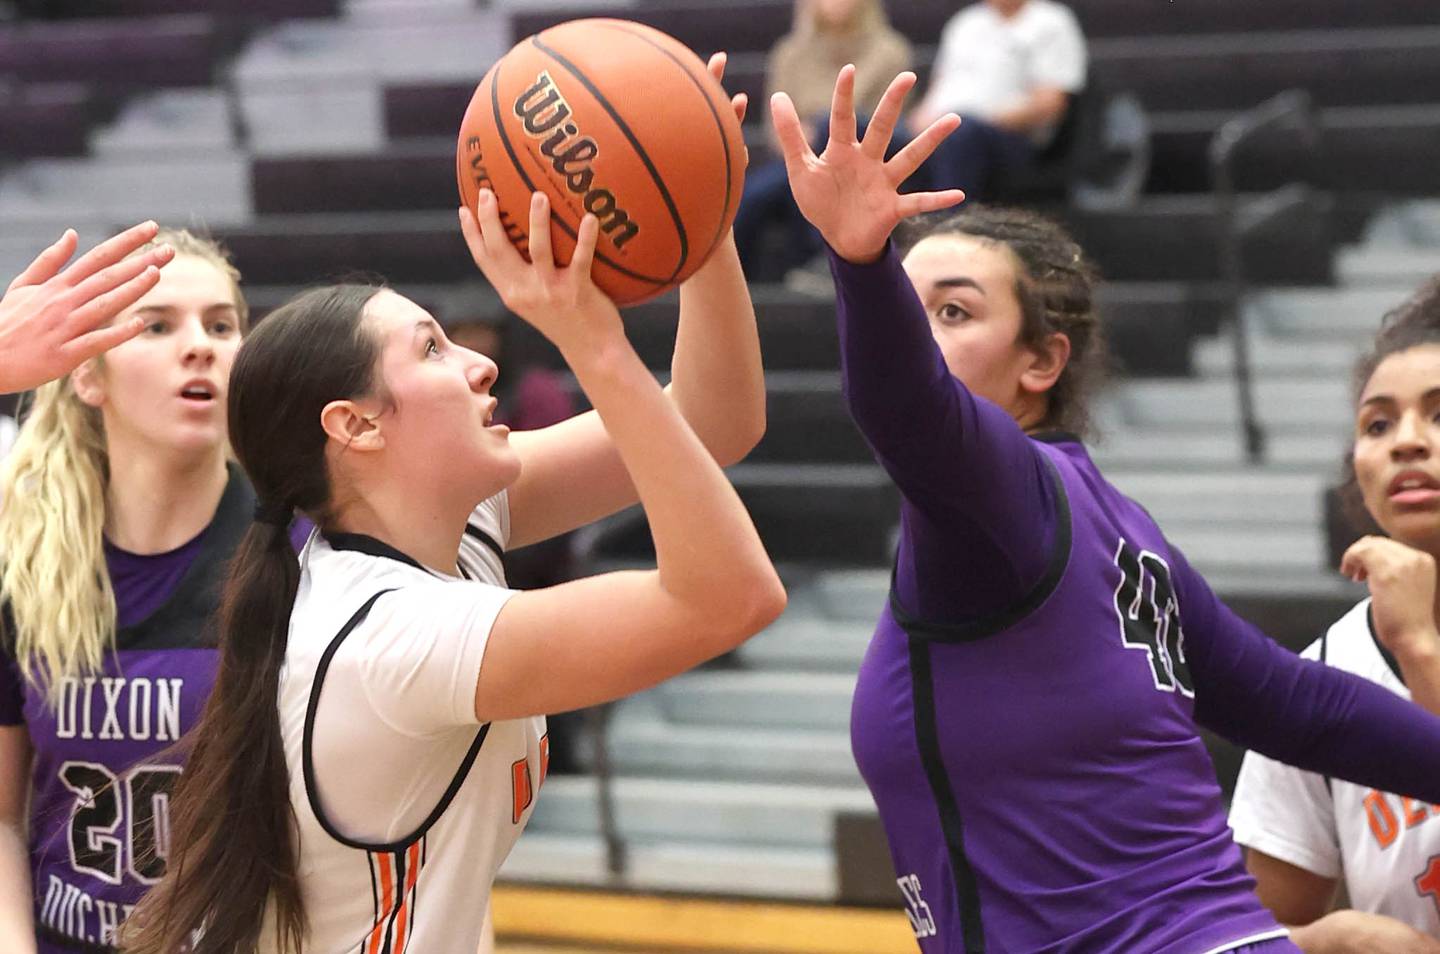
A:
634, 143
714, 113
520, 170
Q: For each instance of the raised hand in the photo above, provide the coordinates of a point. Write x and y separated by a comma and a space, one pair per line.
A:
1402, 588
561, 302
53, 318
740, 102
850, 192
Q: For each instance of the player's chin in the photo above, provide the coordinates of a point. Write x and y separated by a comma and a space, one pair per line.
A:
1415, 526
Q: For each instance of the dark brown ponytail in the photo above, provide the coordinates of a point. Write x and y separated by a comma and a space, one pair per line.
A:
234, 849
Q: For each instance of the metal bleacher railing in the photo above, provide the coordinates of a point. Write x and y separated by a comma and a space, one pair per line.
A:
1237, 220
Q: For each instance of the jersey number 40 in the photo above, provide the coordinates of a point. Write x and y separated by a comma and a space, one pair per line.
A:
1150, 617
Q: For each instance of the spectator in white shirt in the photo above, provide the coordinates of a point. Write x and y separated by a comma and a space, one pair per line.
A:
1010, 69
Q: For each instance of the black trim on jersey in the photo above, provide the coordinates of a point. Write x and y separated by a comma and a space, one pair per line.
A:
183, 621
312, 793
1003, 619
397, 860
927, 739
1385, 654
485, 538
370, 546
363, 543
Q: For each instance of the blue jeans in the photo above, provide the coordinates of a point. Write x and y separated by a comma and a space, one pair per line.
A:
972, 155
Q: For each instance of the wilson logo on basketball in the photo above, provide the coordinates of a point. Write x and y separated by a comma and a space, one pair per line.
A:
544, 113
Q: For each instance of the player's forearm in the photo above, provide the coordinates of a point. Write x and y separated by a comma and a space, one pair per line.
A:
1316, 717
17, 926
893, 375
707, 551
717, 380
1421, 669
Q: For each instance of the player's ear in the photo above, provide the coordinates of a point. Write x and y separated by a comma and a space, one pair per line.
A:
1047, 363
347, 424
89, 383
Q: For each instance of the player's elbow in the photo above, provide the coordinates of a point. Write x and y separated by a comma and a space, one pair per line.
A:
753, 606
741, 437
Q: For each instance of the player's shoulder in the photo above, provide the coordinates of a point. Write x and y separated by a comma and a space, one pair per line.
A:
1349, 644
492, 519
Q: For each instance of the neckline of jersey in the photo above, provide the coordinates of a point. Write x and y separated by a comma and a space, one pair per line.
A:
373, 546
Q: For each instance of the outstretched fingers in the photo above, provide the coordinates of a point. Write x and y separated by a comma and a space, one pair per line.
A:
110, 251
48, 263
887, 116
917, 150
790, 133
918, 203
86, 346
103, 295
842, 106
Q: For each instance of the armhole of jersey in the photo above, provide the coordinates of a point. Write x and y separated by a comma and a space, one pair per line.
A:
312, 793
1004, 619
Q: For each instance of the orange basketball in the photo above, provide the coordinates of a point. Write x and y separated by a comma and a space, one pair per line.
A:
617, 119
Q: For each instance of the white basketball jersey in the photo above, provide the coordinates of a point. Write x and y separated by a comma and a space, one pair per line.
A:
1386, 848
405, 805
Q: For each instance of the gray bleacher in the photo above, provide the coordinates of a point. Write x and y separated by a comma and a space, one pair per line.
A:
322, 146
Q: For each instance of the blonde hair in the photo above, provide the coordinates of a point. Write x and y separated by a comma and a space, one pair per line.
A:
52, 519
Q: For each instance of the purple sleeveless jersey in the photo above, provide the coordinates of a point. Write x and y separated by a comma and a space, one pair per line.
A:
1026, 713
102, 772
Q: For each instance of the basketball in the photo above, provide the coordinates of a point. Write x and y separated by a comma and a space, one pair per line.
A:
617, 119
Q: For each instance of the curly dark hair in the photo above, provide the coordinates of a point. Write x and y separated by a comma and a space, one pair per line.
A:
1414, 323
1055, 285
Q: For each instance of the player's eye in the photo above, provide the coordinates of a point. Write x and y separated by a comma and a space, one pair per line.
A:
223, 327
1377, 426
432, 348
157, 327
952, 313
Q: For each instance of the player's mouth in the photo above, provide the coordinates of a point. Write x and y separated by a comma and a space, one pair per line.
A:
199, 392
489, 418
1414, 487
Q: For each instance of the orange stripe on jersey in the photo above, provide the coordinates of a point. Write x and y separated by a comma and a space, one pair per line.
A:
412, 873
387, 905
524, 794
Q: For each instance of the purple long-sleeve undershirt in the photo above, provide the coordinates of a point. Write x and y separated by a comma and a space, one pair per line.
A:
976, 500
979, 521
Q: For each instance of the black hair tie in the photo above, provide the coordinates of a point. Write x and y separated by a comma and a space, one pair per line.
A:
276, 515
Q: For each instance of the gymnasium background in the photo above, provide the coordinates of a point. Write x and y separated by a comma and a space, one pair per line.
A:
1257, 179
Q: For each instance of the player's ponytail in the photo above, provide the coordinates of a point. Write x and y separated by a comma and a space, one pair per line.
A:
52, 519
232, 865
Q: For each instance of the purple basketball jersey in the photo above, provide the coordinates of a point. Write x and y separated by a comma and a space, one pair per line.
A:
104, 764
1039, 777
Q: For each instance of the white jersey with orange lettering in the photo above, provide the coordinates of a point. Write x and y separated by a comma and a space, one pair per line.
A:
1385, 847
405, 805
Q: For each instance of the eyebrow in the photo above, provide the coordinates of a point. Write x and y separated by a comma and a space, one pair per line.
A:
959, 282
171, 309
1387, 399
426, 324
